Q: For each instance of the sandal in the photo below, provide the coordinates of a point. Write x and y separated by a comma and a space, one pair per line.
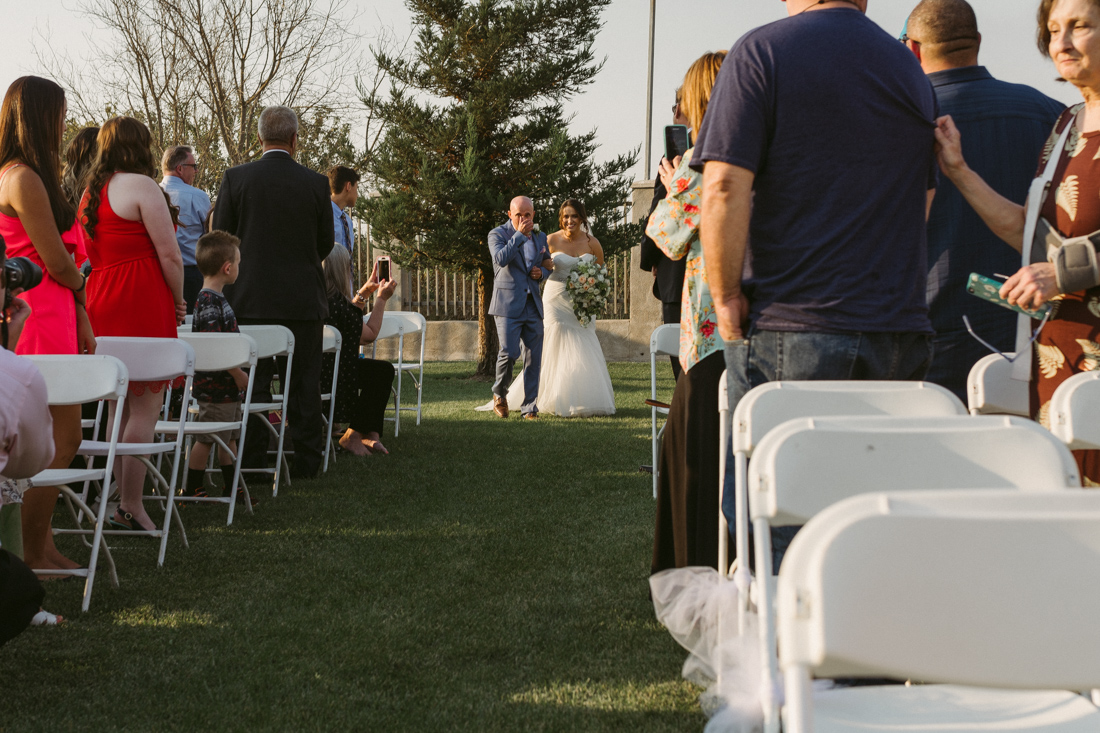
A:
45, 618
127, 522
199, 492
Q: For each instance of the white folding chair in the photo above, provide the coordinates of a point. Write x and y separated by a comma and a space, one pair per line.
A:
151, 360
1074, 409
274, 341
217, 352
771, 404
330, 345
401, 324
991, 390
804, 465
74, 380
664, 341
990, 594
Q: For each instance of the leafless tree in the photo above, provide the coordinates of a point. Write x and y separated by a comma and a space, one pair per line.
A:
200, 71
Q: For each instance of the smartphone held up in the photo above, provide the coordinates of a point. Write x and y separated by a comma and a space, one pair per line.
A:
383, 269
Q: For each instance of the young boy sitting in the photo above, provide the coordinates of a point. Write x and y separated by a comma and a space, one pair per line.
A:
218, 256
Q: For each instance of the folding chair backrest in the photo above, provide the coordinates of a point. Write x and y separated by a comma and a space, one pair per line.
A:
271, 340
804, 465
150, 359
987, 588
991, 390
410, 321
215, 352
331, 340
1074, 409
774, 403
390, 327
665, 340
75, 379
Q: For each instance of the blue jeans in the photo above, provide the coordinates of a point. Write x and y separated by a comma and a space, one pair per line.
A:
771, 356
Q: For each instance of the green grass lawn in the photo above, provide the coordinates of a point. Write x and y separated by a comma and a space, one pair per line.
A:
488, 575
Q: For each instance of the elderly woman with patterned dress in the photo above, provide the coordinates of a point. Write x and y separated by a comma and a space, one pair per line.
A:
687, 487
1069, 343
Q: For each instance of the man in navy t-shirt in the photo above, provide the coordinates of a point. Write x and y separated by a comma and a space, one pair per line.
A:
817, 148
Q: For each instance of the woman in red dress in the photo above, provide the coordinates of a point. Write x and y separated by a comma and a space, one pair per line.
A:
136, 285
37, 221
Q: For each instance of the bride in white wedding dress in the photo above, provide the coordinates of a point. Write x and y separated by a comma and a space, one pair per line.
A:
574, 380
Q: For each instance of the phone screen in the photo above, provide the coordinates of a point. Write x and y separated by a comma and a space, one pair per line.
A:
676, 141
383, 268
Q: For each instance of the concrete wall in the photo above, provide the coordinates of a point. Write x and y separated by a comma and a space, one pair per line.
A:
622, 340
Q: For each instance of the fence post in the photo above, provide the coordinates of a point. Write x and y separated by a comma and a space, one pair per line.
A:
645, 310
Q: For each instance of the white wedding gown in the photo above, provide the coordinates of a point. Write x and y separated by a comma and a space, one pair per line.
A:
574, 381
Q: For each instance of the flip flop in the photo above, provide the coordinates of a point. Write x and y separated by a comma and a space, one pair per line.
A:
45, 618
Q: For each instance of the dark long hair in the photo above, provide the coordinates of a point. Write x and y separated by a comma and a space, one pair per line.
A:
124, 147
79, 156
30, 133
578, 207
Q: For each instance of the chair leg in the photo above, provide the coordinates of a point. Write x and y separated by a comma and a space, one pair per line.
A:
83, 509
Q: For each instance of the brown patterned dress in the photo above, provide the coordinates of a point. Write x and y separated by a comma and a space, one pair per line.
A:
1070, 342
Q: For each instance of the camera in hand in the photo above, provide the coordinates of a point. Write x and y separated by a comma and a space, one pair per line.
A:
20, 272
383, 269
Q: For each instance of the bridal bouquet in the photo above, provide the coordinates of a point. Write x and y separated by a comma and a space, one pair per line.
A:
588, 287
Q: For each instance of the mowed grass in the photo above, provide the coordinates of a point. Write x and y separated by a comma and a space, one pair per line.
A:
488, 575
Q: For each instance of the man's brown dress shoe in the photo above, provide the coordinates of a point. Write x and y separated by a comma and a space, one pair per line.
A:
500, 406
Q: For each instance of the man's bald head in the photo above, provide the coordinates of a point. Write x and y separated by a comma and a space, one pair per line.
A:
522, 214
947, 32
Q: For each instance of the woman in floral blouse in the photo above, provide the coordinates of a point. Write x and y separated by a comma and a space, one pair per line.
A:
687, 486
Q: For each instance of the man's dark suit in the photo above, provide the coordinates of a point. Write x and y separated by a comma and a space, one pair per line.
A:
281, 212
668, 285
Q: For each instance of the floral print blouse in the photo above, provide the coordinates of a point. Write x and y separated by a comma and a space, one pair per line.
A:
674, 227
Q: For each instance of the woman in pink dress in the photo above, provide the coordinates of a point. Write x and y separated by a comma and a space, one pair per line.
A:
37, 221
136, 285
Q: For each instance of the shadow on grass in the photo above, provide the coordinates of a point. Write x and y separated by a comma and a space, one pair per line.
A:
488, 575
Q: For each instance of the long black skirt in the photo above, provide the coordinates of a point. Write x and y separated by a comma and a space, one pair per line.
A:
687, 487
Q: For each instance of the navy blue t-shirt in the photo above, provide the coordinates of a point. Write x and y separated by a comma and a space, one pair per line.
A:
836, 120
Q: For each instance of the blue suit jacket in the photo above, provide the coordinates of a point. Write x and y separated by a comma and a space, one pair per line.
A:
512, 281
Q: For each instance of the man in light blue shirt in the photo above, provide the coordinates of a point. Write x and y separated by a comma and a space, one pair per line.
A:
343, 183
178, 166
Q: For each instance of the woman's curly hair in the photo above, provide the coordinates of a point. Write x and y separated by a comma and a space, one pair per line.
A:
125, 146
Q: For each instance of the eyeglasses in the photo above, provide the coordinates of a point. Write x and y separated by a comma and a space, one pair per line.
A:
995, 350
185, 165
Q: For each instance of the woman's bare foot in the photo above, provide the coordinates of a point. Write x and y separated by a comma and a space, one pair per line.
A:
373, 442
352, 442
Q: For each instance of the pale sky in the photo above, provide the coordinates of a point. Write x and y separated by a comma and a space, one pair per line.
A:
614, 104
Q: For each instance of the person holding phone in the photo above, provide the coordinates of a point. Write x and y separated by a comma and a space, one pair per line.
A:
1069, 33
687, 496
364, 387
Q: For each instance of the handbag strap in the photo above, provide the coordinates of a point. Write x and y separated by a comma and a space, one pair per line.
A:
1036, 197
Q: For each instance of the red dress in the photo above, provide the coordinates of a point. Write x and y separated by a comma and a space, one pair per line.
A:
51, 328
127, 293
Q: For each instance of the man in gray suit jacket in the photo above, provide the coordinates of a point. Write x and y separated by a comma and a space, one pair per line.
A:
518, 251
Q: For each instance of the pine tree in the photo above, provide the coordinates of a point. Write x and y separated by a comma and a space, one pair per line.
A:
474, 117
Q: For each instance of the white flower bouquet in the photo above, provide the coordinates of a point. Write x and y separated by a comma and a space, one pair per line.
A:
588, 287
